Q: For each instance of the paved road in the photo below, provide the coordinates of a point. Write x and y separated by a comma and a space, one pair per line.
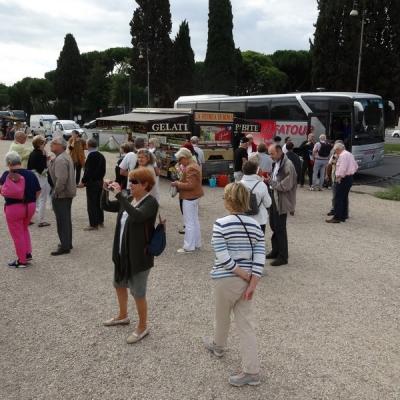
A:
327, 324
378, 176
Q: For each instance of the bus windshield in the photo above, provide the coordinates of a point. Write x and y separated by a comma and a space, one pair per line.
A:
369, 123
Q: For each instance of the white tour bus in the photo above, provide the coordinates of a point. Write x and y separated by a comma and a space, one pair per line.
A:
356, 118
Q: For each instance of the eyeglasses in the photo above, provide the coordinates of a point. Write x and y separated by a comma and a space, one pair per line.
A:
134, 182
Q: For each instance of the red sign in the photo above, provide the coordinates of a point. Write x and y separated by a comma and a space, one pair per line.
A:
271, 128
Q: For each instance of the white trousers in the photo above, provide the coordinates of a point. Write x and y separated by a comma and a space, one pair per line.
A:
192, 239
44, 195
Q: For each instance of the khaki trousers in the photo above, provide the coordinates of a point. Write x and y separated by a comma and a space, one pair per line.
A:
228, 294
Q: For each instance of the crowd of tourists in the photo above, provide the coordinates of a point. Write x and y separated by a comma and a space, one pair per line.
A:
264, 193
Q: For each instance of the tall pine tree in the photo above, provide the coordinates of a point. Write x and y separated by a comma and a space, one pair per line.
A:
183, 63
220, 62
69, 74
150, 29
334, 50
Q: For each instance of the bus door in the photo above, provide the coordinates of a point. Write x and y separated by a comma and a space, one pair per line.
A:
341, 128
318, 124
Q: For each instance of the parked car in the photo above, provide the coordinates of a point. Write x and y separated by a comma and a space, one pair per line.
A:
65, 127
90, 125
40, 124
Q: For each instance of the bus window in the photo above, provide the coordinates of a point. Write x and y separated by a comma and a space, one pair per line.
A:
208, 106
287, 110
342, 105
257, 110
317, 105
237, 107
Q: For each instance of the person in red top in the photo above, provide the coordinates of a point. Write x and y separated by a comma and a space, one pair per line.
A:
346, 167
252, 147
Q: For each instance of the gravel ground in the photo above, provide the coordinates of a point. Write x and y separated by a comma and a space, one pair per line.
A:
327, 324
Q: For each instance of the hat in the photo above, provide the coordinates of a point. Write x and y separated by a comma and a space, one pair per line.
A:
244, 140
183, 153
189, 146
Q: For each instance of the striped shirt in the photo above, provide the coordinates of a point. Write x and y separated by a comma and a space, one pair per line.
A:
232, 246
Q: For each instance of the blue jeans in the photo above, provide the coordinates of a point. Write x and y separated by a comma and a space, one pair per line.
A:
319, 168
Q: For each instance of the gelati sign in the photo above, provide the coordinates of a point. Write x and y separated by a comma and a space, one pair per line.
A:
175, 127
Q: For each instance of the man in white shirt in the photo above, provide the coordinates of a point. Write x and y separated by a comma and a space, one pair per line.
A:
130, 160
200, 154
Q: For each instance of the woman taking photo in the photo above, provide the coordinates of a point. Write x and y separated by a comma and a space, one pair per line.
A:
136, 218
190, 191
20, 189
37, 163
146, 159
237, 237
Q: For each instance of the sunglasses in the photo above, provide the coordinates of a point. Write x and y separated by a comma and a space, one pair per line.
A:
134, 182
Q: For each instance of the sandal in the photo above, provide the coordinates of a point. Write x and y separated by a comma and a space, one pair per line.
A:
42, 224
136, 337
116, 321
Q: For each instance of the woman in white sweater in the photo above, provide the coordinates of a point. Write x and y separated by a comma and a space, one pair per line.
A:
255, 184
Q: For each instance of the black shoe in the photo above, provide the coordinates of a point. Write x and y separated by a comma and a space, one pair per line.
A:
278, 262
29, 257
60, 248
59, 252
270, 256
331, 213
334, 221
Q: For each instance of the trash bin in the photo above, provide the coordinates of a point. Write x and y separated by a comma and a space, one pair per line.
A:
96, 137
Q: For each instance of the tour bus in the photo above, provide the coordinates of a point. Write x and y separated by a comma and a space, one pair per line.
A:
356, 118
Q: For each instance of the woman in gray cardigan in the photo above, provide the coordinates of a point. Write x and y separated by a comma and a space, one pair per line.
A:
135, 221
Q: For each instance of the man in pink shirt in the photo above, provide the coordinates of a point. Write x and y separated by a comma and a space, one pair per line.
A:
346, 167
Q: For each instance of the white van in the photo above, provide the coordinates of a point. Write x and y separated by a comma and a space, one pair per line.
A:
64, 128
40, 124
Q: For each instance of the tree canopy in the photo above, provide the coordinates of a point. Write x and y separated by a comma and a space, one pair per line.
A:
69, 83
220, 63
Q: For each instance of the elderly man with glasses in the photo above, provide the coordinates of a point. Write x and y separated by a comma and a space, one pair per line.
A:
62, 173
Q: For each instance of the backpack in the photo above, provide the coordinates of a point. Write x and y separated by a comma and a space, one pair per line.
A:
158, 241
14, 186
325, 150
254, 207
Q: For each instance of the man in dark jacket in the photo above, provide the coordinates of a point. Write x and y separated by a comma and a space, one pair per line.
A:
306, 150
294, 158
283, 184
95, 170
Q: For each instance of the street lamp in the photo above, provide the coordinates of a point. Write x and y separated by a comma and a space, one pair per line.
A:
354, 13
148, 74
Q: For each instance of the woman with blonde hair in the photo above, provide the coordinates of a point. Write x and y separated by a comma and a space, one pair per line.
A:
132, 264
190, 190
239, 248
146, 159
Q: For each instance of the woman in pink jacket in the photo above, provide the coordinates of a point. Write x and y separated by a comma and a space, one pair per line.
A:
20, 189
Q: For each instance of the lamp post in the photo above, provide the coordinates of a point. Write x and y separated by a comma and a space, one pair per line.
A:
354, 13
148, 74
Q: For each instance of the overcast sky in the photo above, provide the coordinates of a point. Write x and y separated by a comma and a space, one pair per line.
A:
32, 31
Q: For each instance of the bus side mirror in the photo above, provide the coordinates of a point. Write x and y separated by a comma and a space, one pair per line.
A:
359, 111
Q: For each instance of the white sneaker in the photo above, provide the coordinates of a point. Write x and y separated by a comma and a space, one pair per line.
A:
183, 251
